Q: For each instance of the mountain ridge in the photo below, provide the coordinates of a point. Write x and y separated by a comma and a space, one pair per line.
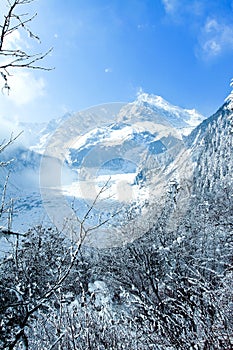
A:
140, 136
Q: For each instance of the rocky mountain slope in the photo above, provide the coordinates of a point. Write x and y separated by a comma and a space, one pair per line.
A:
115, 143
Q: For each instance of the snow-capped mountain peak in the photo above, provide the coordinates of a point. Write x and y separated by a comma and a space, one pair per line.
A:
155, 109
157, 100
109, 141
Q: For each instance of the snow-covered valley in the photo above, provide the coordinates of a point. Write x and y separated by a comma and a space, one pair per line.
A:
124, 154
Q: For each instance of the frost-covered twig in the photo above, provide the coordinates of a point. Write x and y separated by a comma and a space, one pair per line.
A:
18, 58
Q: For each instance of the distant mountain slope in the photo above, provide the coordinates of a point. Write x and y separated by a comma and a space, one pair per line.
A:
154, 108
110, 140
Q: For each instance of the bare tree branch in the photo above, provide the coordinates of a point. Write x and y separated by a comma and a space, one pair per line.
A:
18, 58
5, 144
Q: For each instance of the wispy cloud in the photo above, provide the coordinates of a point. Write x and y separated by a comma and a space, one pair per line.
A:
170, 6
108, 70
11, 114
212, 28
12, 41
215, 38
178, 9
25, 87
25, 90
15, 41
8, 127
141, 26
185, 12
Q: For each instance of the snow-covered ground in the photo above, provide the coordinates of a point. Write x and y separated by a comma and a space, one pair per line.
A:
101, 150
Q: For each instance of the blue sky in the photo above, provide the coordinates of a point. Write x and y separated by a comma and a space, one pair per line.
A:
107, 50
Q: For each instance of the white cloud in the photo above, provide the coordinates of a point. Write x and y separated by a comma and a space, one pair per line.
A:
211, 25
170, 6
24, 94
22, 102
180, 10
8, 127
211, 48
25, 87
14, 41
214, 33
143, 26
216, 37
108, 70
140, 26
